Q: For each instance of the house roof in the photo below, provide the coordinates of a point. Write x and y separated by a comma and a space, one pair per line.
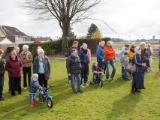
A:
13, 30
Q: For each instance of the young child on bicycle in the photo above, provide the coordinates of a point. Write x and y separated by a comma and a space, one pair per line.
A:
97, 71
34, 86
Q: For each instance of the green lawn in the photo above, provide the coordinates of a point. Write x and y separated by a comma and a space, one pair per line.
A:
111, 102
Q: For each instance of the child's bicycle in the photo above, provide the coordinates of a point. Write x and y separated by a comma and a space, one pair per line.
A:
44, 95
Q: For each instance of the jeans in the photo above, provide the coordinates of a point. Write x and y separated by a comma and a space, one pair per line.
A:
110, 62
78, 77
1, 85
95, 75
100, 64
32, 96
26, 70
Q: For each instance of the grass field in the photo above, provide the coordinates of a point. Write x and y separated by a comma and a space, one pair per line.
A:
111, 102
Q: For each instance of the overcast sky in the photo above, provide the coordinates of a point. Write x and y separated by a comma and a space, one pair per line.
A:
131, 19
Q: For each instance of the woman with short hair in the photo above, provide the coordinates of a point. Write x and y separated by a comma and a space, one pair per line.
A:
14, 67
41, 66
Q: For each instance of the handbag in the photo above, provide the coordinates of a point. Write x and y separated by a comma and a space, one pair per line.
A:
131, 68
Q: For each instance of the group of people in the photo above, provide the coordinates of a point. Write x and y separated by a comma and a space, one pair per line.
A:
21, 64
77, 65
78, 61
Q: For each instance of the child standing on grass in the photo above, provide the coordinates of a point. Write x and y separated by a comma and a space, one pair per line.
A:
125, 63
34, 86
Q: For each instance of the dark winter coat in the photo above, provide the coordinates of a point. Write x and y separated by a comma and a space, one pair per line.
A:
46, 64
100, 53
14, 67
144, 54
34, 86
2, 69
35, 55
84, 56
73, 65
96, 68
138, 76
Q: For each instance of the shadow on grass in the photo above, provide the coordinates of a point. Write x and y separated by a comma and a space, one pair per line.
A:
124, 106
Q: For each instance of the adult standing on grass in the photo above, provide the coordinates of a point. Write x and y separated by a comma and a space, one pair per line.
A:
138, 76
75, 46
150, 52
84, 58
14, 67
109, 60
100, 53
2, 70
73, 65
145, 59
131, 53
41, 66
27, 58
121, 53
7, 57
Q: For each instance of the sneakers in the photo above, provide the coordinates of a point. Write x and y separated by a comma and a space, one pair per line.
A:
85, 84
25, 88
81, 86
112, 79
80, 91
2, 98
69, 81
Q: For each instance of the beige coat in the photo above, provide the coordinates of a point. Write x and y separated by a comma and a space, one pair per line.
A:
26, 58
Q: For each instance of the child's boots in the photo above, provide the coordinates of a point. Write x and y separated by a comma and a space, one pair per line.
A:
35, 102
31, 104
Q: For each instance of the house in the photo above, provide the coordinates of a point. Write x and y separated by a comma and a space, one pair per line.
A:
5, 40
42, 39
15, 35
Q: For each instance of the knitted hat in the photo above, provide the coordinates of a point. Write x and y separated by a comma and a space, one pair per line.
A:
35, 75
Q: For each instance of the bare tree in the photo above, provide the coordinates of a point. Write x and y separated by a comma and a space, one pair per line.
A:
66, 12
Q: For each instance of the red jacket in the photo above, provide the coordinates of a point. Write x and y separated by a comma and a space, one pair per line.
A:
14, 67
109, 53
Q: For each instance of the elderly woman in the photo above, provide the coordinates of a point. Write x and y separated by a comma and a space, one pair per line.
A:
138, 76
41, 66
109, 54
14, 67
27, 58
2, 70
84, 62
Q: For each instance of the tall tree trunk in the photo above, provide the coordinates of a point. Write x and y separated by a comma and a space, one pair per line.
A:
65, 37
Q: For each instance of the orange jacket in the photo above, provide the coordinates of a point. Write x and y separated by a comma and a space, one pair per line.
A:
109, 53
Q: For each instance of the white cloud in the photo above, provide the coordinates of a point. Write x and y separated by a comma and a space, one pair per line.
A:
126, 17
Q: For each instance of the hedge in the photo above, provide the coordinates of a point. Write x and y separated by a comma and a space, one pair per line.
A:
55, 47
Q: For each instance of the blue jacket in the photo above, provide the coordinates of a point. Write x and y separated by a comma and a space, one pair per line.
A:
98, 69
34, 86
121, 53
83, 57
100, 53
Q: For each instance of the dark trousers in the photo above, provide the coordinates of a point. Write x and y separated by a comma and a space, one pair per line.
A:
1, 85
100, 64
26, 70
42, 80
13, 81
84, 73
